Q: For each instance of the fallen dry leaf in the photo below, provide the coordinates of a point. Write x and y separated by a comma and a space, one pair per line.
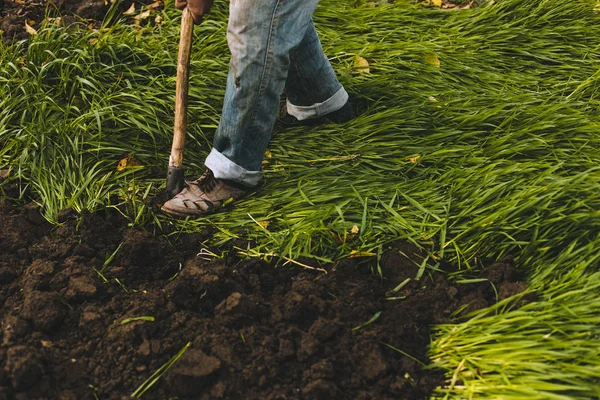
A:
432, 59
140, 17
154, 5
361, 64
131, 10
128, 161
264, 224
30, 30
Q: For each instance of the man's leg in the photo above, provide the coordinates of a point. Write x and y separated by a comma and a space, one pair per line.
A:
312, 88
261, 34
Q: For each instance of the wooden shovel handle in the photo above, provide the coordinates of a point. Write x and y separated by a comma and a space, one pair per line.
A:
181, 91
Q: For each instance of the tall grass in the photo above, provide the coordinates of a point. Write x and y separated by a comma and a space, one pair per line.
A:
477, 137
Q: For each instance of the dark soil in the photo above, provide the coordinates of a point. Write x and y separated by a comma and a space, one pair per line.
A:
256, 331
15, 13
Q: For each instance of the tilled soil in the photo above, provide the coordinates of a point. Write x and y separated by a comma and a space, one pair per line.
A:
256, 331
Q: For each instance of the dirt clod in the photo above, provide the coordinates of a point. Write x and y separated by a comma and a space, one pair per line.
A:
44, 310
193, 373
24, 367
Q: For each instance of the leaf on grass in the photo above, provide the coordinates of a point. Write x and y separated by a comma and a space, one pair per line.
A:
436, 3
30, 29
131, 10
354, 229
268, 153
128, 161
358, 253
56, 21
140, 17
432, 59
414, 159
154, 5
264, 224
361, 64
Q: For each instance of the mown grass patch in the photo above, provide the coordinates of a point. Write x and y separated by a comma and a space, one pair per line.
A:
477, 137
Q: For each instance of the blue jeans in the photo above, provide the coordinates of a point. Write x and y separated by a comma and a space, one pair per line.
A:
274, 49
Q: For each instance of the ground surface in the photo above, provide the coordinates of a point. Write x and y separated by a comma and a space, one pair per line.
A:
256, 332
14, 14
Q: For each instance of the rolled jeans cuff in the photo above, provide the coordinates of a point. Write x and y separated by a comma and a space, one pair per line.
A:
223, 168
317, 110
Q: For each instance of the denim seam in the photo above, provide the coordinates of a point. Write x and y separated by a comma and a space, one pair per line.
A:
267, 66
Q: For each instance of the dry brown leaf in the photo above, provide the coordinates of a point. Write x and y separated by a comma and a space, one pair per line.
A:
432, 59
361, 65
131, 10
140, 17
46, 343
128, 161
154, 5
30, 30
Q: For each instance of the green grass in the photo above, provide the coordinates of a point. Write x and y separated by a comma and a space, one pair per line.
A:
494, 152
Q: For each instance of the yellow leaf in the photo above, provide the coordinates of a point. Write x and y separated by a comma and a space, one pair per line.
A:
437, 3
361, 64
128, 161
414, 159
264, 224
131, 10
268, 153
30, 30
354, 230
432, 59
358, 253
